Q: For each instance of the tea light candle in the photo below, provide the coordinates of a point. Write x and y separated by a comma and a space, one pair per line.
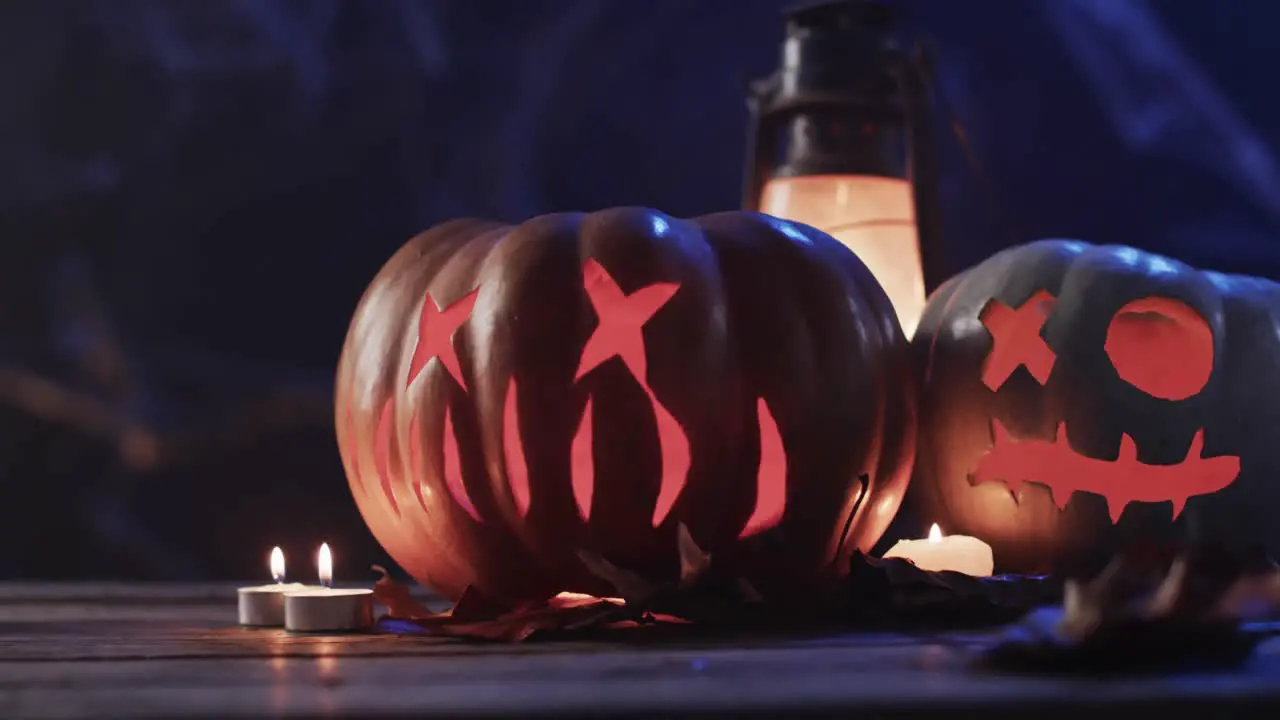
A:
263, 606
957, 553
325, 608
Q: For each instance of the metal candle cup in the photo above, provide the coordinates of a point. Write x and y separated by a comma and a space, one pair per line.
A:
954, 553
263, 606
327, 609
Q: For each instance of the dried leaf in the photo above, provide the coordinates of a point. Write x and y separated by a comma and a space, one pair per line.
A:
693, 560
747, 592
894, 592
631, 587
474, 606
1145, 614
708, 600
396, 598
1250, 599
557, 615
1169, 595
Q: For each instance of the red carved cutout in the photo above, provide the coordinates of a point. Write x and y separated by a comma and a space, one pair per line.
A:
453, 469
771, 478
436, 327
420, 488
1015, 335
621, 318
676, 459
382, 453
513, 452
1121, 481
582, 464
350, 429
1162, 347
672, 443
435, 336
618, 333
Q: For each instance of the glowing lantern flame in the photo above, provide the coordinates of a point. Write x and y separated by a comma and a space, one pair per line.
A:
872, 216
277, 564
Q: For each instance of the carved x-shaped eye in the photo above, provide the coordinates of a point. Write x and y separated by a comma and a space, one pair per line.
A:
1015, 335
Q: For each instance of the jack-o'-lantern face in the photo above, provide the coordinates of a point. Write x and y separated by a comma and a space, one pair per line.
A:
1076, 399
1158, 345
618, 335
511, 398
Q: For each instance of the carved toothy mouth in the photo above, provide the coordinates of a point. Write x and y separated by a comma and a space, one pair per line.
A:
1063, 471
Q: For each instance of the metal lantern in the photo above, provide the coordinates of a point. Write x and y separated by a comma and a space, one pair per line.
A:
842, 139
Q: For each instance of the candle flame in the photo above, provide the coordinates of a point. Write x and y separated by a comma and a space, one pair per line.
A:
277, 564
324, 563
935, 533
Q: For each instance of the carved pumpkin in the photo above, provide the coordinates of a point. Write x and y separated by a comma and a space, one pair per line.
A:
511, 395
1078, 398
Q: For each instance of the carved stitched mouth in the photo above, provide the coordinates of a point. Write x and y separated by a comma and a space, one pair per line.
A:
1053, 464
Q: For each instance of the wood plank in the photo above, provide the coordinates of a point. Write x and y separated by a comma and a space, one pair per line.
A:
193, 663
646, 683
132, 593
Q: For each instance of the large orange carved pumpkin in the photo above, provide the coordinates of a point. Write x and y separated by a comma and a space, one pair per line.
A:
1078, 398
511, 395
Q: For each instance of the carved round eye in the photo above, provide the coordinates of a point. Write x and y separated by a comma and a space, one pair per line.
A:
1162, 347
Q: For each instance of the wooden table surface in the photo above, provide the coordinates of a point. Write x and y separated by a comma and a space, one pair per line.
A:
143, 651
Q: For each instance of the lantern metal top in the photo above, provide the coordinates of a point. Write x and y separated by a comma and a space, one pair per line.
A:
836, 53
848, 98
838, 95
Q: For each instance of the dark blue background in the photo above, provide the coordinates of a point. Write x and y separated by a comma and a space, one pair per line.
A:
193, 195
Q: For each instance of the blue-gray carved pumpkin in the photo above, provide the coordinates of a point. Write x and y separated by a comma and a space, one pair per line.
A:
1078, 398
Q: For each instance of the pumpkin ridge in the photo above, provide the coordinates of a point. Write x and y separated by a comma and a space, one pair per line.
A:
891, 466
720, 240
